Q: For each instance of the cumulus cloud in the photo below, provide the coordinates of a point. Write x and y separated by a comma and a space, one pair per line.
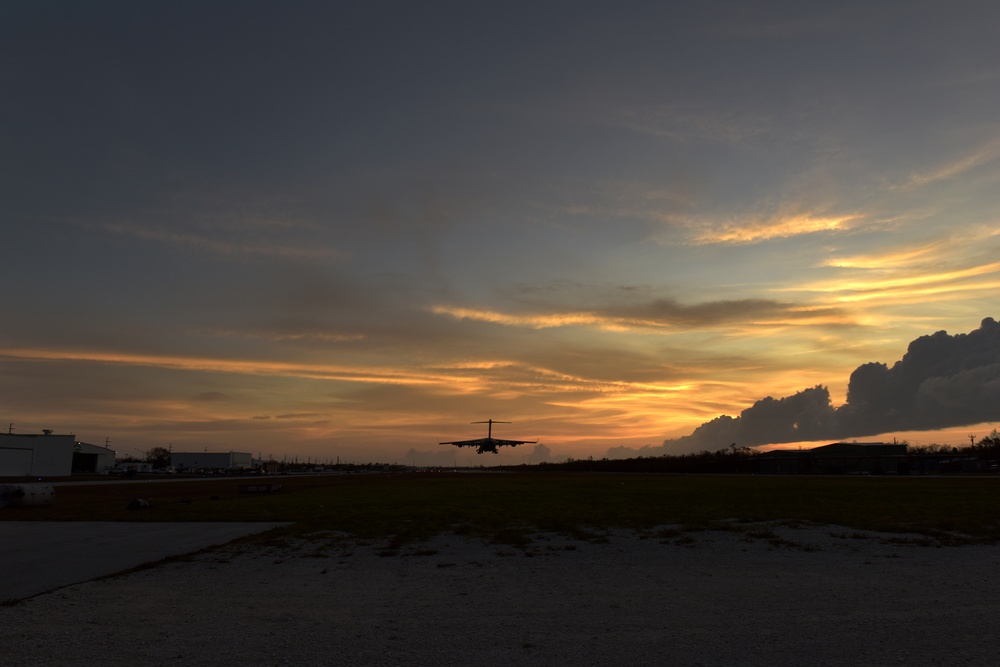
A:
942, 381
540, 454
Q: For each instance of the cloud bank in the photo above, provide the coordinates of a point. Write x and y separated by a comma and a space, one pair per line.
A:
942, 381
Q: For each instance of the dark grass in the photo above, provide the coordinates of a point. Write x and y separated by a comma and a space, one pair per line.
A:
509, 507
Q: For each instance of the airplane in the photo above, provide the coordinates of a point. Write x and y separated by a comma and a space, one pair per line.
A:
489, 443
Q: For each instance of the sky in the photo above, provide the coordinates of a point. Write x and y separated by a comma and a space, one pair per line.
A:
346, 230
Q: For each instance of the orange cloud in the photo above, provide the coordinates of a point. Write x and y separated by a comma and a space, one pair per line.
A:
919, 285
663, 315
754, 231
543, 321
890, 260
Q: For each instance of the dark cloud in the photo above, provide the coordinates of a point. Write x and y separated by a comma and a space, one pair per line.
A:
942, 381
633, 305
667, 312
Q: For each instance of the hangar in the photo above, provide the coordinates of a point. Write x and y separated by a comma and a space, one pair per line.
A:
839, 458
50, 455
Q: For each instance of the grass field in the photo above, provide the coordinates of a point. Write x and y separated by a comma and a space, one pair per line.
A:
509, 507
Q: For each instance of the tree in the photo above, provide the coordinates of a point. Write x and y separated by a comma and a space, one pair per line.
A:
158, 457
988, 445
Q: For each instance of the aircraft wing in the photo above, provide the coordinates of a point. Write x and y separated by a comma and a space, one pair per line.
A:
497, 441
479, 442
464, 443
484, 445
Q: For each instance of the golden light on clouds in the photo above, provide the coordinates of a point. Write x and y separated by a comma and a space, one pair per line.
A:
902, 258
917, 294
505, 319
755, 231
606, 321
909, 286
468, 377
634, 410
477, 242
242, 367
662, 318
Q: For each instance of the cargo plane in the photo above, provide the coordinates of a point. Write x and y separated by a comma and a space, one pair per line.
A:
489, 443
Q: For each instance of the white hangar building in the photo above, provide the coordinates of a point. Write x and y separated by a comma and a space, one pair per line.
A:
50, 455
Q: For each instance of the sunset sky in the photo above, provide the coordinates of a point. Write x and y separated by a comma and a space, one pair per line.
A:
348, 229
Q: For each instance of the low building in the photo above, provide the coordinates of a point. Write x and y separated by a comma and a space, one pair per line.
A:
50, 455
211, 460
839, 458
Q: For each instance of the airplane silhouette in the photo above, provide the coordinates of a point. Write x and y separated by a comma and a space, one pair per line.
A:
489, 443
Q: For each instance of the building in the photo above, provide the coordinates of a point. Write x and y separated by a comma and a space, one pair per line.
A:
50, 455
839, 458
211, 460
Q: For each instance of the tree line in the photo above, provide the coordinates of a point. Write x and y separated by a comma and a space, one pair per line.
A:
978, 456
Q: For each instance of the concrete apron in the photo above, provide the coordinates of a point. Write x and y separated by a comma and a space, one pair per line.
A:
40, 556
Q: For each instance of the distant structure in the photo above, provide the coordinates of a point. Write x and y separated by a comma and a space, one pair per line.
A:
48, 454
211, 460
839, 458
489, 443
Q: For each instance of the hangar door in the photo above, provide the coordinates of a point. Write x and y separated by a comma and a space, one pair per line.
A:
84, 462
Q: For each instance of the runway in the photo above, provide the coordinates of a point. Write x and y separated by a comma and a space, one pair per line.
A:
40, 556
823, 596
